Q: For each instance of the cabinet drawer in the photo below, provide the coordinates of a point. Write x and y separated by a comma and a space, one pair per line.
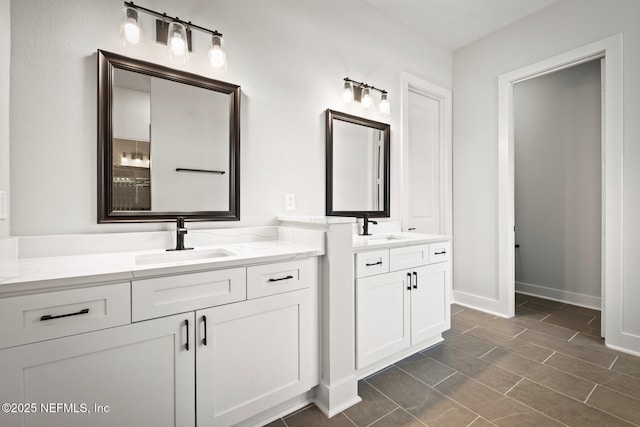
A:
439, 252
372, 262
409, 257
270, 279
163, 296
31, 318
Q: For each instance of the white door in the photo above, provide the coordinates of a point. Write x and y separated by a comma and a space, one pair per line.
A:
382, 316
257, 354
129, 376
423, 185
430, 305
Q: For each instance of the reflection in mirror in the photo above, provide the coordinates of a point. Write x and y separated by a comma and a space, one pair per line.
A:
171, 141
357, 166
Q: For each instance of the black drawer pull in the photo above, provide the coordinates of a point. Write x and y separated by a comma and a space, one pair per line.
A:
186, 323
204, 339
415, 283
440, 253
408, 281
50, 317
375, 263
281, 278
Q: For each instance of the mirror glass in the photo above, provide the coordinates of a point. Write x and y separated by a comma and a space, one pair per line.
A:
357, 166
168, 143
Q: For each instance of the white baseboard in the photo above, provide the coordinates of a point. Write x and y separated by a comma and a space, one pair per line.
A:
476, 302
335, 398
568, 297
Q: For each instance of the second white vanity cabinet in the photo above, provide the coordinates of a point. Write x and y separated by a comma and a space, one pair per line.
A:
407, 304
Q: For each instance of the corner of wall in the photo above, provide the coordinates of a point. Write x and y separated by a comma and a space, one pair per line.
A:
5, 71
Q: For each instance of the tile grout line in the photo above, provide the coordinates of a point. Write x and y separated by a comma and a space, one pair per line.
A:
378, 419
468, 330
541, 320
483, 355
519, 333
396, 403
594, 318
549, 357
347, 417
442, 380
614, 362
513, 386
574, 335
474, 420
592, 390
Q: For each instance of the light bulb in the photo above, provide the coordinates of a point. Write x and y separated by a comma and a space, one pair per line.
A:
138, 160
366, 100
177, 41
385, 108
130, 28
124, 159
347, 95
217, 56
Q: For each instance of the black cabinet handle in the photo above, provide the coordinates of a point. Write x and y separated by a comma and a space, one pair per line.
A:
281, 278
186, 323
440, 253
415, 283
408, 281
375, 263
204, 339
517, 246
50, 317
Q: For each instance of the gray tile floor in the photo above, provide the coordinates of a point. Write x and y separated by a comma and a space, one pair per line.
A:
547, 366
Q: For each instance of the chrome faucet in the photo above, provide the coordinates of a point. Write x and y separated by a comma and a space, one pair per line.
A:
181, 230
365, 225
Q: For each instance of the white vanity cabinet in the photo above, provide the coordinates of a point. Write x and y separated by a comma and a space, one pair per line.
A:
138, 374
255, 329
209, 348
405, 307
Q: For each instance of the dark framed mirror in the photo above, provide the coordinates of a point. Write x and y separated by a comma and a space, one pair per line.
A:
358, 166
168, 144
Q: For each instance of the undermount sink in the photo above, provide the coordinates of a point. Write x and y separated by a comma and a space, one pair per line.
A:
177, 256
384, 237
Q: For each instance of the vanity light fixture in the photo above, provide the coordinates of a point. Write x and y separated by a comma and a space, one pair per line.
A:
360, 91
131, 33
172, 31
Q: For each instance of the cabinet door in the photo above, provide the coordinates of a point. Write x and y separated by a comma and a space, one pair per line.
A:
430, 304
258, 353
382, 316
138, 375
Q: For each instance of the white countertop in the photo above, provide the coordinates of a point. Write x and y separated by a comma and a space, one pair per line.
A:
33, 274
391, 240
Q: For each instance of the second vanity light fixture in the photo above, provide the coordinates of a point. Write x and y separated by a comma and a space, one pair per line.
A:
360, 91
173, 32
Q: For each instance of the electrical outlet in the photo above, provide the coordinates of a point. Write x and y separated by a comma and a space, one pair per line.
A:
3, 205
290, 202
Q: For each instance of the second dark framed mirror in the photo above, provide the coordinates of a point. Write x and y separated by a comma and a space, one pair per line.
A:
357, 166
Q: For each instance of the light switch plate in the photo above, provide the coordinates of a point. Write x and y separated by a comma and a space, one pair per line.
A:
290, 202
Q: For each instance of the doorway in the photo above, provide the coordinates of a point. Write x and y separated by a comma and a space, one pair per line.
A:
558, 181
610, 51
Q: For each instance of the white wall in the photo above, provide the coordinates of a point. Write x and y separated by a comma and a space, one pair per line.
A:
5, 47
288, 56
559, 28
558, 184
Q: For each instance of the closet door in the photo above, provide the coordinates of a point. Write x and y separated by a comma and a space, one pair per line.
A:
423, 203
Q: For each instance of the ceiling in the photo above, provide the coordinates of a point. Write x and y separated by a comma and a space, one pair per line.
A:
456, 23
